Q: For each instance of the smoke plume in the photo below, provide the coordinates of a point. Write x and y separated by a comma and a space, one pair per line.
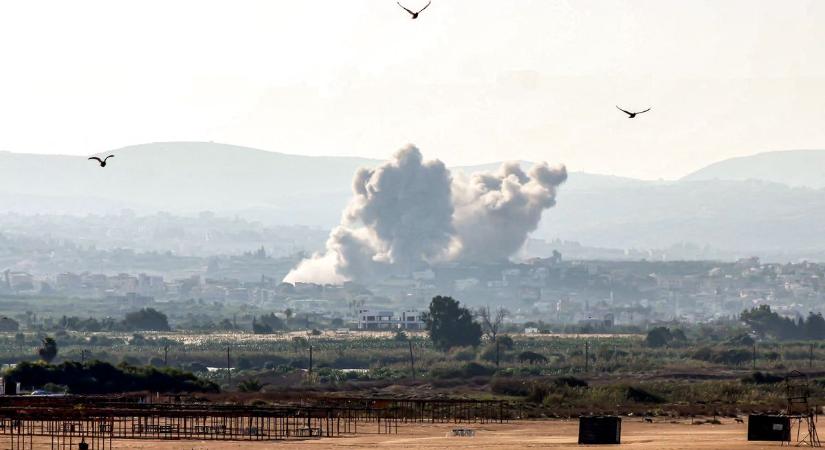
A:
409, 213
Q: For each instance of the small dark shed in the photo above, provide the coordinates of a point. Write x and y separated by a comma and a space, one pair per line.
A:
763, 427
600, 430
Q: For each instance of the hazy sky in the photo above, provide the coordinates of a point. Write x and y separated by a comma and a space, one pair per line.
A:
470, 81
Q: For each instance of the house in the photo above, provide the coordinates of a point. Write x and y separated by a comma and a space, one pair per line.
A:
369, 319
412, 320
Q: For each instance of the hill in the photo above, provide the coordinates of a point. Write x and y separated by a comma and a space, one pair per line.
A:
792, 167
190, 177
724, 206
179, 177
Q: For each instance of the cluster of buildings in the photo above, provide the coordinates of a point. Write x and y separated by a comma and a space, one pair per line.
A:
595, 294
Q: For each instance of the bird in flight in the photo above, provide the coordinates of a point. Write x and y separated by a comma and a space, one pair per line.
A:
101, 161
631, 115
414, 14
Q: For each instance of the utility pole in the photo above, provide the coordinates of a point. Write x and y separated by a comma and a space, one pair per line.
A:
412, 360
82, 356
228, 369
811, 357
754, 356
586, 356
310, 363
165, 355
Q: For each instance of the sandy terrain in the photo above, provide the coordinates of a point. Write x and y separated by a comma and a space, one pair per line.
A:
524, 434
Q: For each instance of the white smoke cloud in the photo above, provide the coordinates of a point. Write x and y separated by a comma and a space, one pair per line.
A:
494, 213
408, 213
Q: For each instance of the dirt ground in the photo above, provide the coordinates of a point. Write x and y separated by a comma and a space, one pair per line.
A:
545, 434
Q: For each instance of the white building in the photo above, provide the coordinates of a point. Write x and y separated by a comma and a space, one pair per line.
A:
370, 319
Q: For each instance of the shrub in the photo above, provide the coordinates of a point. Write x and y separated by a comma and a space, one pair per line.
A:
532, 357
156, 361
463, 353
96, 377
735, 356
537, 392
250, 385
474, 369
505, 341
762, 378
570, 381
642, 396
243, 364
658, 337
509, 386
196, 367
743, 340
275, 362
467, 370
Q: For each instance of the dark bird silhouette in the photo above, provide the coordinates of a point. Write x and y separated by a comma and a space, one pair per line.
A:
101, 161
414, 14
631, 115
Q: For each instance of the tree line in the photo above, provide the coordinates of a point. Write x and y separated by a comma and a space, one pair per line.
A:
769, 324
146, 319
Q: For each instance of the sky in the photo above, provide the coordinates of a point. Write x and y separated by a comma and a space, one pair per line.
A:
469, 82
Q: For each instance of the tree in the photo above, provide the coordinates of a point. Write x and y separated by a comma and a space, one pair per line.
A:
273, 321
768, 323
815, 326
48, 350
491, 320
451, 325
260, 327
96, 377
658, 337
679, 336
147, 319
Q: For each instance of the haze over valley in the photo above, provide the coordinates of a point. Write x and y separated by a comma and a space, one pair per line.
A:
769, 205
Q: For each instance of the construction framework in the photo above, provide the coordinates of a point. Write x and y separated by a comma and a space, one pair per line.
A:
95, 422
800, 410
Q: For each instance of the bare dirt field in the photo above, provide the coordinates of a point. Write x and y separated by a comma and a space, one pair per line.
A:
545, 434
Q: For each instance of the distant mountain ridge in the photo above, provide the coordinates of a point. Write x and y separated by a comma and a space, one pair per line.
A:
735, 205
188, 177
796, 168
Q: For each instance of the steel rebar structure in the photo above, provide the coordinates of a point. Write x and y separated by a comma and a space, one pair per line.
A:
799, 409
65, 422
